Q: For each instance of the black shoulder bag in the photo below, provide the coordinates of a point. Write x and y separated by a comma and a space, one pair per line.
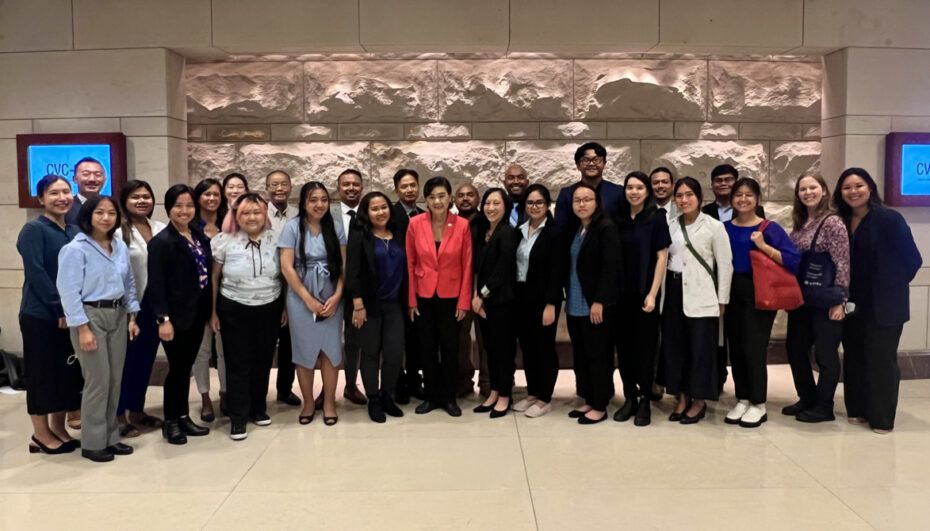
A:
817, 274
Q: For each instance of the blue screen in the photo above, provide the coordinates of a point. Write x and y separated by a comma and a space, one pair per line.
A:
915, 169
60, 159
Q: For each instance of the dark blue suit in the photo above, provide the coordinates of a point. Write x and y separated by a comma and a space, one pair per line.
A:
610, 194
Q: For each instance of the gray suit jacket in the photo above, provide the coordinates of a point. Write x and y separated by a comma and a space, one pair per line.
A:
335, 209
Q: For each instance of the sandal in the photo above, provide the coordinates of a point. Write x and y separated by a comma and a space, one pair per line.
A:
129, 431
330, 421
306, 419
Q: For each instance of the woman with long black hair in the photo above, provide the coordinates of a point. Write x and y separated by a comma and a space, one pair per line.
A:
312, 251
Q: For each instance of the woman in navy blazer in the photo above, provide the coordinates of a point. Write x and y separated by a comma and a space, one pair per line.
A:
883, 260
182, 300
439, 266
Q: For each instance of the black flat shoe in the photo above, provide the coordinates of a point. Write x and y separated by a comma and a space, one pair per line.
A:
190, 429
73, 444
685, 419
452, 408
496, 413
376, 411
674, 417
305, 419
390, 407
576, 413
813, 416
626, 411
289, 399
97, 456
426, 407
482, 408
643, 414
120, 449
794, 409
171, 431
36, 446
585, 420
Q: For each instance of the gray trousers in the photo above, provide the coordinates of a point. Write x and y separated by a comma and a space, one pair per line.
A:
103, 374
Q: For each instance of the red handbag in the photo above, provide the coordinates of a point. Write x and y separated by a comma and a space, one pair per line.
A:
776, 288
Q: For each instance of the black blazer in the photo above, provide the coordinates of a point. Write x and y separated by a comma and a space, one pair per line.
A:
883, 252
401, 222
544, 275
496, 264
599, 263
711, 210
362, 273
173, 284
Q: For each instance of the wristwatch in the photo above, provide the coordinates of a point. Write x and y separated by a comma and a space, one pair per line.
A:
162, 319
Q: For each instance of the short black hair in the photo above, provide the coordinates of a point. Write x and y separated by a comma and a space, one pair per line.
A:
691, 183
598, 215
47, 181
86, 215
173, 193
282, 172
435, 182
747, 182
231, 176
723, 169
403, 172
599, 150
662, 169
130, 187
350, 171
87, 159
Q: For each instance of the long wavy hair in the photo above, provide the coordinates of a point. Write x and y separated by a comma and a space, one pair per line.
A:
480, 224
328, 229
799, 213
221, 210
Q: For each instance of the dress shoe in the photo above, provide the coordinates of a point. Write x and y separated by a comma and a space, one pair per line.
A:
676, 415
72, 444
537, 410
36, 446
171, 431
522, 405
585, 420
483, 408
626, 411
452, 408
237, 431
576, 414
375, 410
189, 428
794, 409
686, 419
754, 416
426, 407
735, 414
262, 419
643, 413
290, 399
352, 394
97, 456
814, 416
120, 449
390, 407
497, 413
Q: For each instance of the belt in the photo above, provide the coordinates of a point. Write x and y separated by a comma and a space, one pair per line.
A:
675, 275
115, 303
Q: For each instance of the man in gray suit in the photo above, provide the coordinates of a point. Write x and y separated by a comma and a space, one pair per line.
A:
90, 177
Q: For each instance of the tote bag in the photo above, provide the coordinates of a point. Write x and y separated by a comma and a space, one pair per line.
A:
776, 288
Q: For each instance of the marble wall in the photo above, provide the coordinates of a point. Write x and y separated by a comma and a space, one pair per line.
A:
468, 118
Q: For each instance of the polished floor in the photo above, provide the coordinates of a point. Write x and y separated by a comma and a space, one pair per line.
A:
436, 472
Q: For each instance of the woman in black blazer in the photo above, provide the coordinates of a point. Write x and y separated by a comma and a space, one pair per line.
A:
376, 262
593, 266
494, 242
182, 300
538, 300
883, 260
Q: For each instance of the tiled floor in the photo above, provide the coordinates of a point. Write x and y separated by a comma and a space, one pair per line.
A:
435, 472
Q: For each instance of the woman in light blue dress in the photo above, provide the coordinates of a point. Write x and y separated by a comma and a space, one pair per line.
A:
312, 256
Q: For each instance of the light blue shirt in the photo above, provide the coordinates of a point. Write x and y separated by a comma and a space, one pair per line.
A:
86, 272
724, 213
526, 247
576, 305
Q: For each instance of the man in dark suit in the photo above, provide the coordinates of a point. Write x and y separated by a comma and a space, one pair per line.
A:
407, 188
590, 159
466, 204
90, 177
515, 182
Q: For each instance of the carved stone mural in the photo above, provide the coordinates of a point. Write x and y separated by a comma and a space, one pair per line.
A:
765, 92
698, 157
244, 92
552, 163
479, 162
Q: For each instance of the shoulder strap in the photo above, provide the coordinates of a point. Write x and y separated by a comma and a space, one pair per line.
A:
817, 232
700, 259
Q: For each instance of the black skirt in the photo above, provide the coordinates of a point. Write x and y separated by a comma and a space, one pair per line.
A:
52, 383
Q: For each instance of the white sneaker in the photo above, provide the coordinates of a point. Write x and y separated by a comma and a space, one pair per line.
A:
537, 411
523, 405
737, 412
754, 416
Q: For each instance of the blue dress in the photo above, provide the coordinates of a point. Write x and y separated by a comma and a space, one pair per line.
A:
309, 337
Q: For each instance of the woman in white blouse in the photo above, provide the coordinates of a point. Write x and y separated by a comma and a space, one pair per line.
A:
248, 310
137, 201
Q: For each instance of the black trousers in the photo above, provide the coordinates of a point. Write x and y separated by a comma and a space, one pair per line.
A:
353, 351
249, 334
382, 343
52, 372
748, 332
870, 369
500, 341
409, 376
181, 353
689, 345
285, 379
636, 342
592, 358
140, 357
811, 327
537, 343
439, 337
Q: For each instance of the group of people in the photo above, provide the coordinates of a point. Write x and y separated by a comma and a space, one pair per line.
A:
642, 270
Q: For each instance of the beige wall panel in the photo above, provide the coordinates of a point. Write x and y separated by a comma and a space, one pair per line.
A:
154, 126
773, 26
11, 128
9, 187
833, 97
76, 125
583, 26
888, 82
276, 26
84, 84
12, 219
35, 25
833, 24
139, 23
914, 335
434, 26
11, 339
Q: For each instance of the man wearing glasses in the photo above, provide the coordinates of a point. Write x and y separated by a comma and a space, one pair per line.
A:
722, 179
590, 159
90, 178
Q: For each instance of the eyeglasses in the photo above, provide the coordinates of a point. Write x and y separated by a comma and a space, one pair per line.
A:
583, 200
597, 161
533, 204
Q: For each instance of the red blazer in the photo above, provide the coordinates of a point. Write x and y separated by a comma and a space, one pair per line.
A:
447, 273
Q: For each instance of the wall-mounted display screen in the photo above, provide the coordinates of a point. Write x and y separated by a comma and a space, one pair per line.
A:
43, 154
907, 169
915, 169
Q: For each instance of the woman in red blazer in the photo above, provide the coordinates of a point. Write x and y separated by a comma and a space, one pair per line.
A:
440, 271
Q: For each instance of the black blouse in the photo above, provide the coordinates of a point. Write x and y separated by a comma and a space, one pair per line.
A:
641, 238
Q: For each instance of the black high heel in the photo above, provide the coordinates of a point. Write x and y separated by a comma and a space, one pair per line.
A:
330, 421
496, 413
306, 419
36, 447
685, 419
483, 408
676, 415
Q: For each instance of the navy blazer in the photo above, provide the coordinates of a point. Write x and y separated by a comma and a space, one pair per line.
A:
174, 285
883, 261
401, 222
599, 263
612, 201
